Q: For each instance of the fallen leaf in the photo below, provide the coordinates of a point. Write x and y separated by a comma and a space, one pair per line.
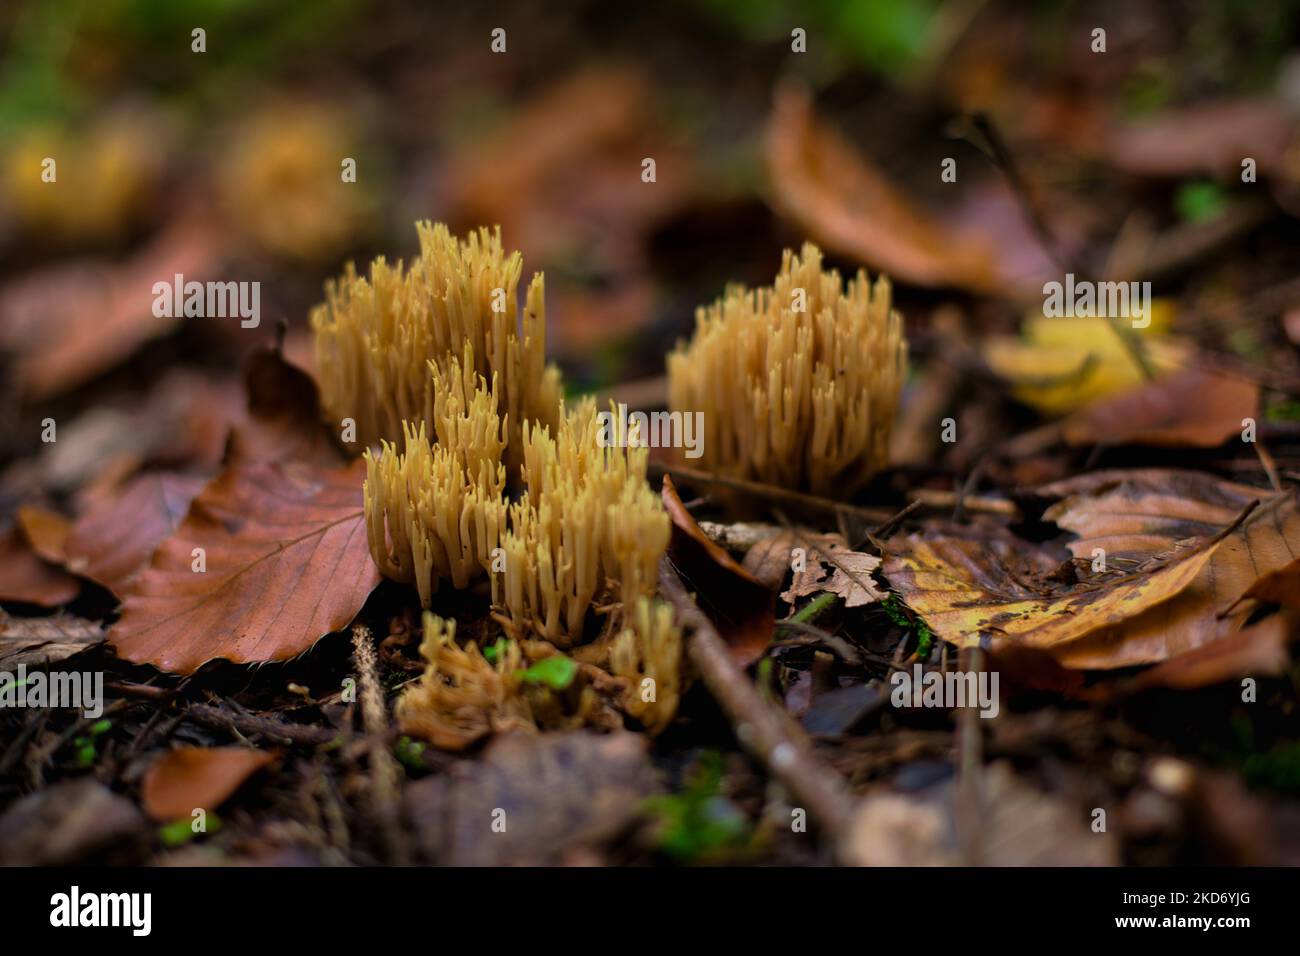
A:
1259, 650
1130, 516
1189, 408
1059, 364
740, 606
46, 531
559, 793
1019, 826
287, 562
1279, 587
834, 193
69, 323
197, 778
1203, 139
969, 594
851, 579
34, 641
78, 822
283, 421
116, 538
24, 577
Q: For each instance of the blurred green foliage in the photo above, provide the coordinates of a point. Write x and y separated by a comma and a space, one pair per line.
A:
699, 823
63, 56
884, 36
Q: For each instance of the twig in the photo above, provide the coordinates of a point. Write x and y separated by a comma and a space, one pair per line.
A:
770, 735
773, 493
272, 728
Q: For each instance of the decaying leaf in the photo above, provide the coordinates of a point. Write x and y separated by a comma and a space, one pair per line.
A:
1259, 650
1060, 364
1211, 607
44, 640
1281, 586
197, 778
116, 538
283, 418
73, 322
553, 794
833, 192
26, 578
968, 592
73, 823
1189, 408
46, 531
269, 559
849, 570
1019, 826
1169, 586
741, 607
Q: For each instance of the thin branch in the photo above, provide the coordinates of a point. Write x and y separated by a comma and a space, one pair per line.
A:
771, 735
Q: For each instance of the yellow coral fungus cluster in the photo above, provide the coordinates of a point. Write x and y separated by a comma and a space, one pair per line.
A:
648, 654
798, 381
429, 362
377, 336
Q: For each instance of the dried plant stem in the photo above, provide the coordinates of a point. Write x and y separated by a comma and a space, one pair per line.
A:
769, 734
384, 771
772, 493
271, 728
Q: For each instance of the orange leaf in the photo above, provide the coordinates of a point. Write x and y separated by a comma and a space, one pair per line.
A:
116, 538
1191, 408
740, 606
834, 193
25, 577
194, 778
286, 560
46, 531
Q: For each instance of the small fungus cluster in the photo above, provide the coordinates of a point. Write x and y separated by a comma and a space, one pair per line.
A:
798, 381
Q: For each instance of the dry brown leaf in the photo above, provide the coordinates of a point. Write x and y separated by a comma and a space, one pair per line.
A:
1190, 408
740, 606
1133, 515
562, 793
1202, 139
1020, 826
197, 778
25, 577
44, 640
850, 571
283, 421
287, 563
968, 592
72, 322
1259, 650
1279, 587
45, 530
830, 189
116, 538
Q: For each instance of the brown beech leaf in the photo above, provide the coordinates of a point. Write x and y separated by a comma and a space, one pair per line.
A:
1281, 586
829, 554
1191, 408
193, 778
70, 323
287, 562
44, 640
283, 421
970, 595
116, 538
566, 792
1136, 514
1203, 139
45, 530
25, 577
740, 606
833, 192
1259, 650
